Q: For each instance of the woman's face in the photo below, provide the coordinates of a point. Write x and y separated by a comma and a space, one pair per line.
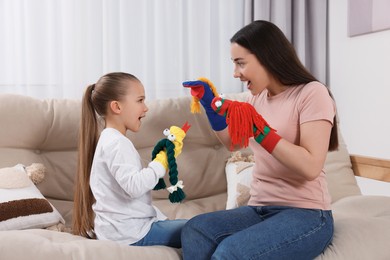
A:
248, 69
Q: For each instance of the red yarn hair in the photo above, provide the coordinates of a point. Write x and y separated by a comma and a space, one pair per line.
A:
242, 119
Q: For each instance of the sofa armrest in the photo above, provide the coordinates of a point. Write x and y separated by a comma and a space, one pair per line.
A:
370, 167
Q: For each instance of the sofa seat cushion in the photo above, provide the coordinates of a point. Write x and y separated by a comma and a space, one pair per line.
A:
47, 244
362, 229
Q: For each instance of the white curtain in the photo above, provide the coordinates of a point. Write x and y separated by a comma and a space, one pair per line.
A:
55, 48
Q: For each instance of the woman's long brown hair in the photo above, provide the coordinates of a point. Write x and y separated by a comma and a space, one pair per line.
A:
94, 103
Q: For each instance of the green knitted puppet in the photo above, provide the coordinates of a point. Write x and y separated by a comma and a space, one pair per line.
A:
172, 144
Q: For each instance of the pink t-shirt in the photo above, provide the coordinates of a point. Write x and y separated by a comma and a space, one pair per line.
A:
273, 183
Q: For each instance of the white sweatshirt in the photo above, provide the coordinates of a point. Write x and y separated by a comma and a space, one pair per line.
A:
122, 189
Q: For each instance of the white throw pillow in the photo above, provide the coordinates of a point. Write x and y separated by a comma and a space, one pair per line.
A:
239, 176
22, 205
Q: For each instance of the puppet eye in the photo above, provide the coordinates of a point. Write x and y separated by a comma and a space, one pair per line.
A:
171, 137
218, 103
166, 132
222, 95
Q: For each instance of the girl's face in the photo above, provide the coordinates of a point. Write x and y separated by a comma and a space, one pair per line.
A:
248, 68
133, 107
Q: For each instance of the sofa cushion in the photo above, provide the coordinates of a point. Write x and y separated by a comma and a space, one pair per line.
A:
47, 134
362, 228
238, 176
338, 168
22, 205
45, 244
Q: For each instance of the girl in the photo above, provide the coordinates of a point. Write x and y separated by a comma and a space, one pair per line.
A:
288, 215
113, 192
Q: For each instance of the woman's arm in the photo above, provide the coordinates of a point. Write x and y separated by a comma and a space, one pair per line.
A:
306, 159
224, 137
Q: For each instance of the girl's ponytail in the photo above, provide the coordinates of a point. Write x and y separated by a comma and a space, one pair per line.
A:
83, 198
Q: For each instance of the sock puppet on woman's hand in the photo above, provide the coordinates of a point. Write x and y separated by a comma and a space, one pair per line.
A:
165, 152
244, 122
203, 91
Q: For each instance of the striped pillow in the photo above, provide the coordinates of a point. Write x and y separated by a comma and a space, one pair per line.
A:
22, 206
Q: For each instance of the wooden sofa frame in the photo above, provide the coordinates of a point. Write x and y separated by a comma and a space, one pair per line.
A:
370, 167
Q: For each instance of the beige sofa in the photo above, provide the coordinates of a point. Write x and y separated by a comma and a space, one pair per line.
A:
45, 131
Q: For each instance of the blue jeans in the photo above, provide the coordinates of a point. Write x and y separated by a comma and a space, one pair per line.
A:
268, 232
165, 233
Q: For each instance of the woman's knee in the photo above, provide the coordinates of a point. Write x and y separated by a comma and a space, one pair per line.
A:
194, 224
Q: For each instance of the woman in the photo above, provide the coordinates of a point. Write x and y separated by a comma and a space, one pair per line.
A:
288, 215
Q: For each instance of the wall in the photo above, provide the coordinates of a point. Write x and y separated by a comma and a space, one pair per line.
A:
359, 77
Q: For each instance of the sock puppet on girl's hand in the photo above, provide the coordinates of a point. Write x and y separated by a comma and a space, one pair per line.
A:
203, 91
173, 145
244, 122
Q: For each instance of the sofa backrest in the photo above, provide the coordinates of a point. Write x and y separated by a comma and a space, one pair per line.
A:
46, 131
43, 131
